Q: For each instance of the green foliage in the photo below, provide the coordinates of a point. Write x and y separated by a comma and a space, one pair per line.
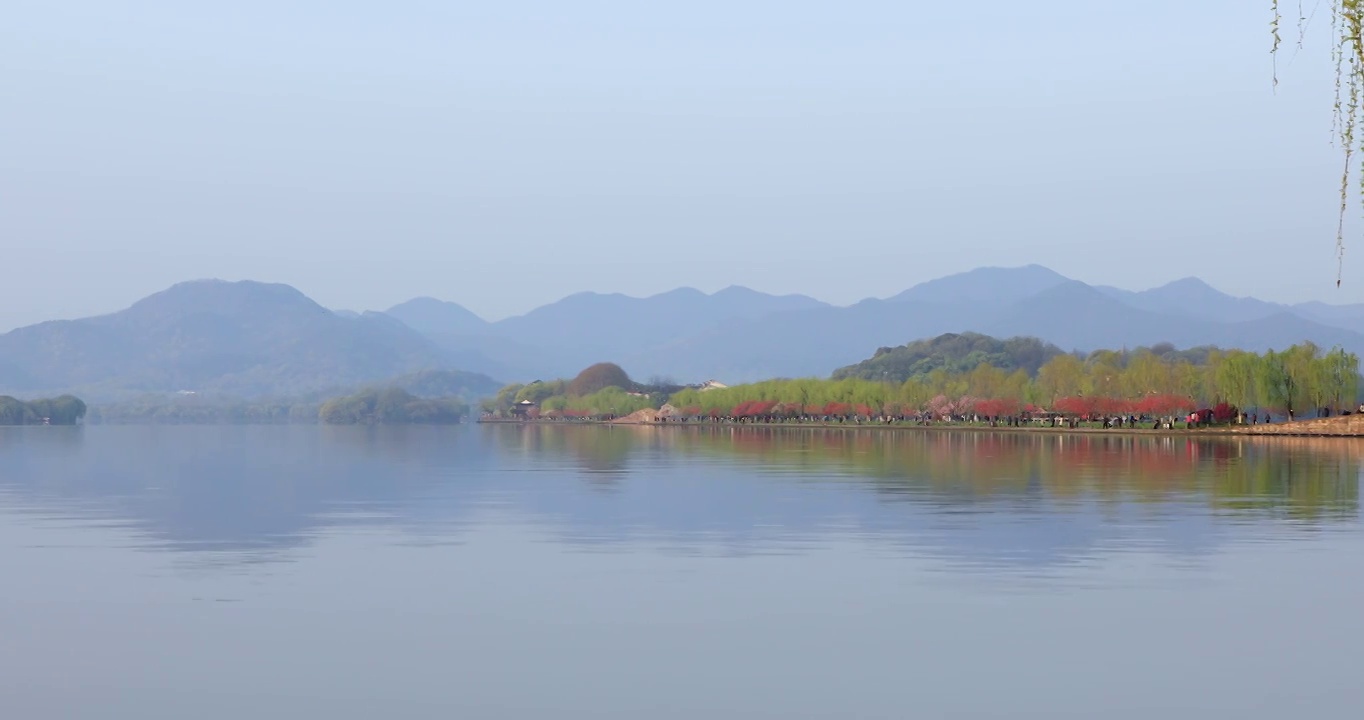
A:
1297, 378
602, 389
388, 406
954, 353
1236, 377
198, 410
1341, 377
64, 410
609, 401
504, 399
538, 392
15, 412
801, 393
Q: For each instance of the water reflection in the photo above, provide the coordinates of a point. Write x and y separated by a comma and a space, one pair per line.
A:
988, 500
985, 499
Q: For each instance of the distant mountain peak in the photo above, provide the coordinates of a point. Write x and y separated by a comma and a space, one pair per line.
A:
1188, 284
427, 302
423, 300
219, 287
1194, 297
236, 297
735, 290
431, 316
242, 338
682, 292
744, 293
990, 284
1189, 281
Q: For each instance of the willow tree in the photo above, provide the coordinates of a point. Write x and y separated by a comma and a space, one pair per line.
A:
1061, 376
1237, 379
1342, 372
1347, 51
1278, 385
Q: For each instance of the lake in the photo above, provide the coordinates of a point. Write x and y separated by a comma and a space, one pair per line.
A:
637, 572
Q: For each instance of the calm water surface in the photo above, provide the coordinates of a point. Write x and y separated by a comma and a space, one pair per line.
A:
508, 572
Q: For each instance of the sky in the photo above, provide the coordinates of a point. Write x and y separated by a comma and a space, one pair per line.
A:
503, 155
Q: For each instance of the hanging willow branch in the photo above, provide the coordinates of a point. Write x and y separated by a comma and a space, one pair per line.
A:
1347, 52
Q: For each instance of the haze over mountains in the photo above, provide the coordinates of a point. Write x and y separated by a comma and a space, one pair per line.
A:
242, 339
254, 339
739, 335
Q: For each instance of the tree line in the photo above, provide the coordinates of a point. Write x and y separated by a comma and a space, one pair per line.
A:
64, 410
366, 407
391, 406
1302, 380
601, 391
162, 411
953, 353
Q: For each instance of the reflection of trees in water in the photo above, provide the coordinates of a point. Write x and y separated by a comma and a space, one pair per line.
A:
57, 437
229, 488
601, 452
1305, 479
263, 489
396, 443
19, 445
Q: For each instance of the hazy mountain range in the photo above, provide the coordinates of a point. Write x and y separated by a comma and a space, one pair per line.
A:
253, 339
738, 335
241, 339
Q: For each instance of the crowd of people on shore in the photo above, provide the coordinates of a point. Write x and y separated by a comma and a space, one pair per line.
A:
922, 419
865, 416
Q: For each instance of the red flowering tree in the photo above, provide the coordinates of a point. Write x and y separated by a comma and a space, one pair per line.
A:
1111, 406
837, 409
997, 407
1076, 405
967, 405
1165, 404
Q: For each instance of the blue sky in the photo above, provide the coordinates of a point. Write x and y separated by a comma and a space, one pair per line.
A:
503, 155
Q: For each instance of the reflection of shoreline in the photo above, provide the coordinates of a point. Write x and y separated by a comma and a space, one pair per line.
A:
246, 493
1303, 477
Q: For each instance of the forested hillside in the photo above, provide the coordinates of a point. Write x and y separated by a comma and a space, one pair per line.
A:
64, 410
391, 406
952, 353
600, 390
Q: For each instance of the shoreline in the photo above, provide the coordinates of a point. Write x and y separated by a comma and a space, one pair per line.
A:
1338, 427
